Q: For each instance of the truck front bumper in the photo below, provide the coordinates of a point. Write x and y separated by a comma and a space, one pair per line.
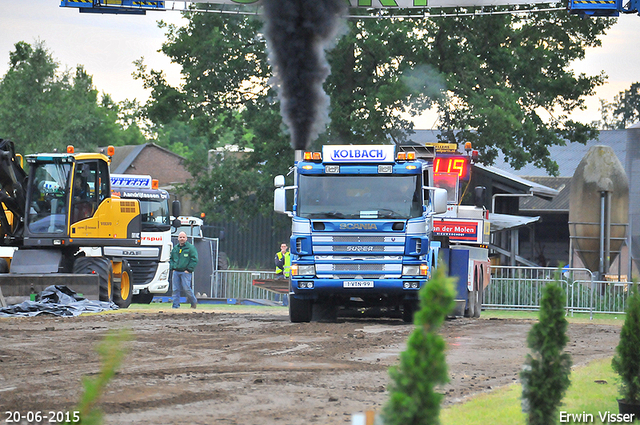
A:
313, 287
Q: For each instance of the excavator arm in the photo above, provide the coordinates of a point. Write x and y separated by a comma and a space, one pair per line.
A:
13, 181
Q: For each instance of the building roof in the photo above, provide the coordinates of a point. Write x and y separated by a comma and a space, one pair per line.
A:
568, 157
524, 185
124, 156
560, 203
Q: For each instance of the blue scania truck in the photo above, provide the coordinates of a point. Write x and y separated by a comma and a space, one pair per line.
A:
359, 230
362, 231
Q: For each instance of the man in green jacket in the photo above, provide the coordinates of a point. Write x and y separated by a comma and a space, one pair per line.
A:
184, 259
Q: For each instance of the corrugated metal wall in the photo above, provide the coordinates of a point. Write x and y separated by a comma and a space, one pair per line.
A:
254, 245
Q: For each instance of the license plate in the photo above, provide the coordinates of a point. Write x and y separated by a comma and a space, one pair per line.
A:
357, 284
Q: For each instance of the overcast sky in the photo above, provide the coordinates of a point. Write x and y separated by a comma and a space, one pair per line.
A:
107, 46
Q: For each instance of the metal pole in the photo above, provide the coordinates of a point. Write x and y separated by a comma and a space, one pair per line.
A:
602, 220
607, 230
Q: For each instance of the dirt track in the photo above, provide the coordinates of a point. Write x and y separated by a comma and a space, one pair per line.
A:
252, 367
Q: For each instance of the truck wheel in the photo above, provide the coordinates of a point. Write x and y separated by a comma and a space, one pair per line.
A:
299, 310
479, 295
408, 310
471, 303
324, 312
123, 290
143, 298
4, 266
100, 266
223, 261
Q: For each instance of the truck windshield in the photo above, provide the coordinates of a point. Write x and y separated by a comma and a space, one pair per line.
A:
189, 230
155, 215
394, 196
48, 198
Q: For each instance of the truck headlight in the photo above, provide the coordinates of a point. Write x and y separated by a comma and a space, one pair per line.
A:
411, 270
419, 270
303, 270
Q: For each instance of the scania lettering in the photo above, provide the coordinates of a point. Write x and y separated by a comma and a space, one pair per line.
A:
151, 265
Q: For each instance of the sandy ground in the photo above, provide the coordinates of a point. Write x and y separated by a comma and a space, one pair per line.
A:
254, 367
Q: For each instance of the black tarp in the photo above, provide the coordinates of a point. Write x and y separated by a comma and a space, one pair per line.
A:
56, 300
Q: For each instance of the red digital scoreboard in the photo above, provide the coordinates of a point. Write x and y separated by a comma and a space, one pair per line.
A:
452, 164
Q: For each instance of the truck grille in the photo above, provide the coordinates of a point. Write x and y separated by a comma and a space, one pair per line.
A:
356, 239
143, 270
358, 267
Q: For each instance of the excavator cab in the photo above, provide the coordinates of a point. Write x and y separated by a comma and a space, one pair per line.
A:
48, 195
69, 203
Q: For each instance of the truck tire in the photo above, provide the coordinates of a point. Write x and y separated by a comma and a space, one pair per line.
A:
4, 266
299, 310
100, 266
123, 289
408, 310
471, 304
143, 298
479, 296
324, 312
223, 261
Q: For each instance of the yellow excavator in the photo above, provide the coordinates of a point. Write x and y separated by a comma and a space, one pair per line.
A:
56, 218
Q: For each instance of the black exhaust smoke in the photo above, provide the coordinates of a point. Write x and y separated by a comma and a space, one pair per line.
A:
298, 32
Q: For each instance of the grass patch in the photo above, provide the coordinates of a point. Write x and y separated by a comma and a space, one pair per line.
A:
502, 407
598, 318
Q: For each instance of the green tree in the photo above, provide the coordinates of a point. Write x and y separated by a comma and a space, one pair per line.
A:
413, 398
623, 112
545, 376
626, 361
43, 108
491, 78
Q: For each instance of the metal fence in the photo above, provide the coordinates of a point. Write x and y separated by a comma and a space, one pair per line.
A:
520, 288
511, 288
238, 284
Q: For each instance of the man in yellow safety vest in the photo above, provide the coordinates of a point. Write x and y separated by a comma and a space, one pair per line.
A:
283, 262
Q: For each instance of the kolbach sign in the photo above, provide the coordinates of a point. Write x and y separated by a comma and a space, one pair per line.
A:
459, 230
358, 153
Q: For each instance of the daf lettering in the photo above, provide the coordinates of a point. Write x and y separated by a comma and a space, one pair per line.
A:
132, 253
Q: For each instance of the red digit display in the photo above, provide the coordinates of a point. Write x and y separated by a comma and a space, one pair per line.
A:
452, 164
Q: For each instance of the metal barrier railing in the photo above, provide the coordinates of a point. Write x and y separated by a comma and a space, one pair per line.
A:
511, 288
228, 284
520, 288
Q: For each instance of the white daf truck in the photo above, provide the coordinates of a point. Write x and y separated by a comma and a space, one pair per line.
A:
149, 261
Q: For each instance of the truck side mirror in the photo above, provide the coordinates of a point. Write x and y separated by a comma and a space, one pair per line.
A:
175, 223
278, 181
439, 201
280, 200
438, 197
175, 209
479, 196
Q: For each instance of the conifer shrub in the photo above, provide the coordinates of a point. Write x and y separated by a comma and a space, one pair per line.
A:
545, 375
626, 361
414, 399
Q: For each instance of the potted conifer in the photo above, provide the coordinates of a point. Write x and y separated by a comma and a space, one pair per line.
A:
626, 361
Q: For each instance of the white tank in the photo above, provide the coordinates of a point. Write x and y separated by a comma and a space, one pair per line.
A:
600, 170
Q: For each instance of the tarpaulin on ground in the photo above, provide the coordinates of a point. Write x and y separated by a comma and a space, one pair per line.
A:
56, 300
